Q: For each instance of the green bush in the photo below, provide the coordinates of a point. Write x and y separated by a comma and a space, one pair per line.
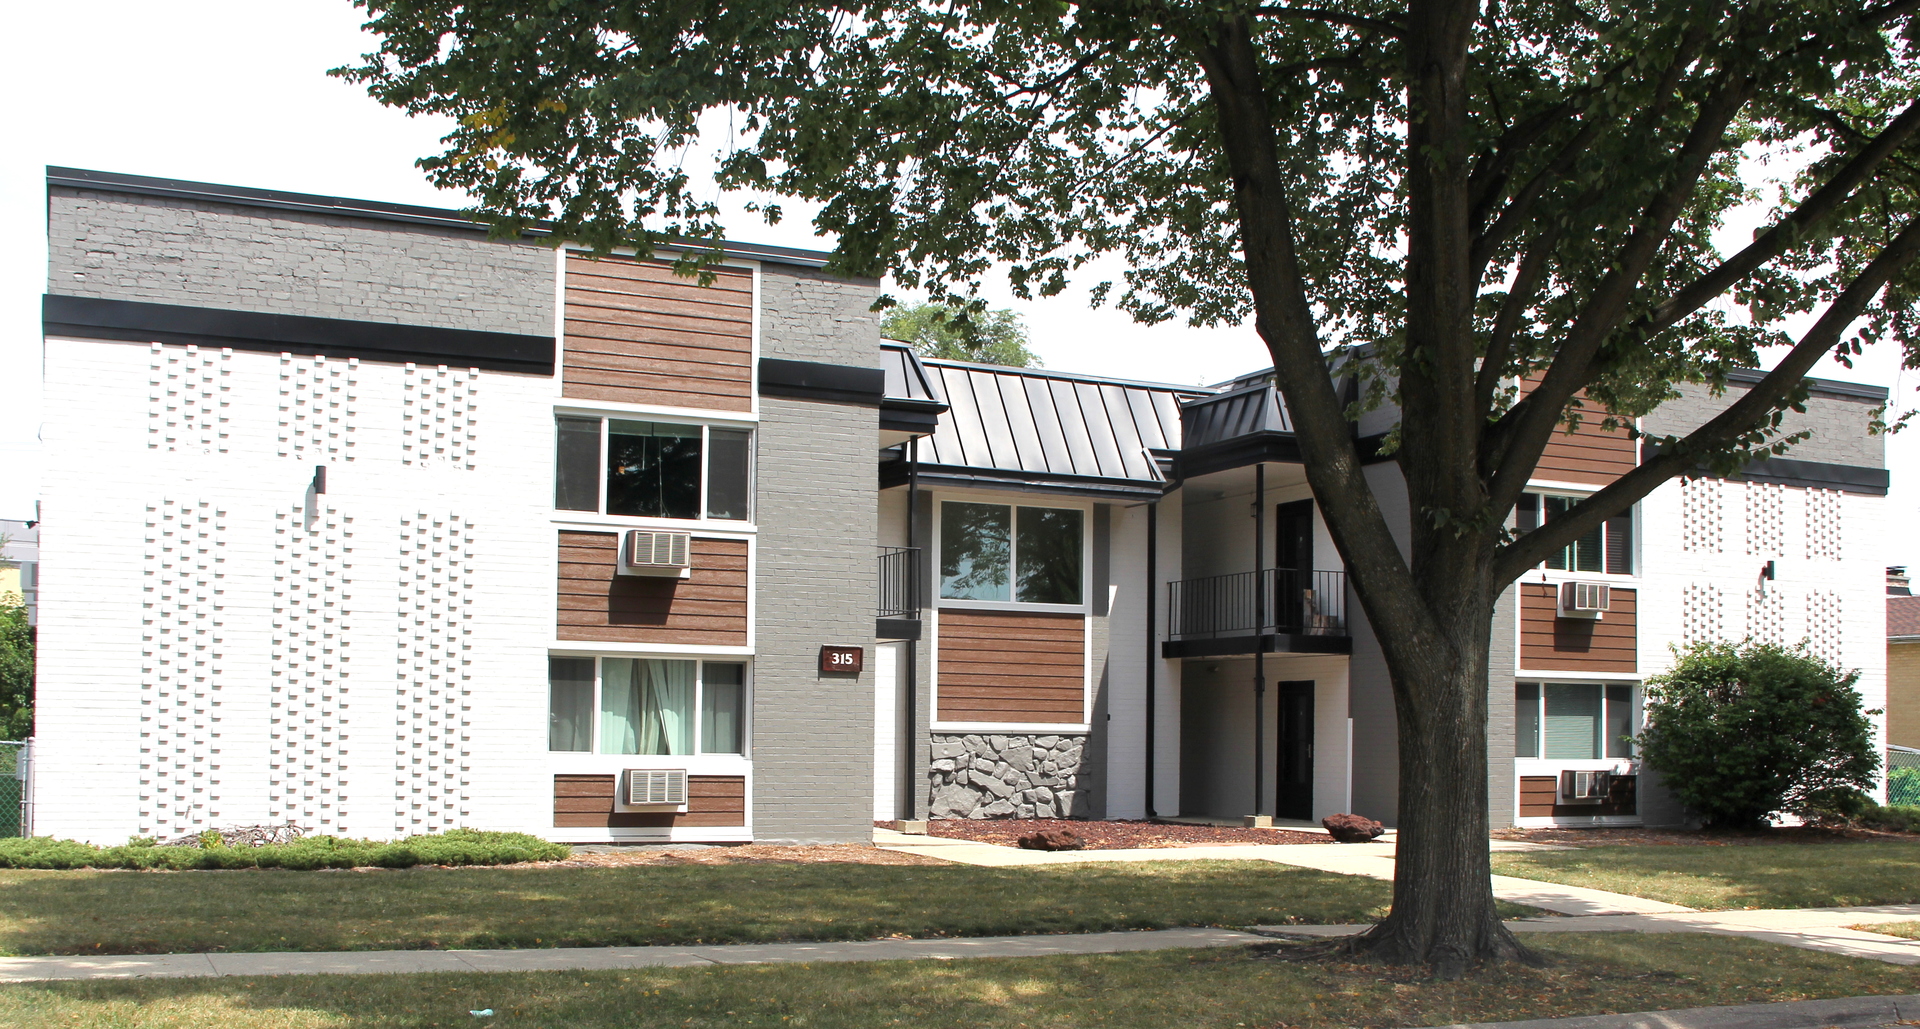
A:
1740, 731
1891, 818
457, 847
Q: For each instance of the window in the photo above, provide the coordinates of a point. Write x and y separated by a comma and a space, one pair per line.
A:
1572, 721
1608, 549
620, 466
1028, 555
652, 706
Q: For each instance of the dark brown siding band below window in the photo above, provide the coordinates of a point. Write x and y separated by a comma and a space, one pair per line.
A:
1540, 796
586, 801
1009, 666
637, 333
1549, 643
598, 605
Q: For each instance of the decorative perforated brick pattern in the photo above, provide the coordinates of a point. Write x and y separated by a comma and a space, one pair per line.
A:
1823, 525
308, 764
1702, 524
438, 416
187, 398
183, 611
435, 689
1766, 513
1703, 613
1825, 625
1766, 616
318, 400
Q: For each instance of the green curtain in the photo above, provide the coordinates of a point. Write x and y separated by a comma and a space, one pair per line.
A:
666, 709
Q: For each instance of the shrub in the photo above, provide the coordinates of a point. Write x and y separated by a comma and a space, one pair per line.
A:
457, 847
1740, 731
1891, 818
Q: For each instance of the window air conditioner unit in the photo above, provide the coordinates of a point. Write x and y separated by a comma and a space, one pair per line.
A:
653, 789
1584, 599
1584, 787
656, 553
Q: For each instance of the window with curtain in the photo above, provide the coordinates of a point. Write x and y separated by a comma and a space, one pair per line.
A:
1607, 549
1005, 552
646, 706
652, 469
1573, 721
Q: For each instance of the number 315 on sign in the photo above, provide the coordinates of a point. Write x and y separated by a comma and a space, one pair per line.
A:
842, 660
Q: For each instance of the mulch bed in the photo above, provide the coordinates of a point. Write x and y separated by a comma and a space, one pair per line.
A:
1115, 835
1624, 837
743, 854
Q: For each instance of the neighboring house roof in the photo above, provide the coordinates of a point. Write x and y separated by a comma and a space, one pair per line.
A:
1048, 429
1903, 618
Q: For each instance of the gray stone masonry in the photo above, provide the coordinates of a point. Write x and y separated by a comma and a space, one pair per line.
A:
809, 315
167, 250
1838, 424
1010, 776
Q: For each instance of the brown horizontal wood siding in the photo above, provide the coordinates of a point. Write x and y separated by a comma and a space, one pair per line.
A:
1552, 643
1588, 454
596, 604
1009, 666
637, 333
586, 801
1540, 796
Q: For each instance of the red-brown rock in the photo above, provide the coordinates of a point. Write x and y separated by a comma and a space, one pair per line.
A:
1053, 839
1352, 828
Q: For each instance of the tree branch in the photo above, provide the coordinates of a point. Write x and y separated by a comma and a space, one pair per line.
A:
1526, 282
1353, 21
1741, 417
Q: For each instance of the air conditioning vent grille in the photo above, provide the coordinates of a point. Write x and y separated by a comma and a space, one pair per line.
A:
657, 549
656, 787
1585, 786
1585, 597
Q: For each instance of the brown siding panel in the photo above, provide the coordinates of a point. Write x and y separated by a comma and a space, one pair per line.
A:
1550, 643
598, 605
636, 333
586, 801
1539, 793
1010, 666
1588, 454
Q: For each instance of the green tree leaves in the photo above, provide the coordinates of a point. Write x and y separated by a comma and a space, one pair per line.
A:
957, 332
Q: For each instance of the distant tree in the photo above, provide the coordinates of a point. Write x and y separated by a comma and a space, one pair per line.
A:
1740, 731
955, 332
16, 669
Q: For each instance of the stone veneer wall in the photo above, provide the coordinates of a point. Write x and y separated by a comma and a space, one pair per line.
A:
1010, 776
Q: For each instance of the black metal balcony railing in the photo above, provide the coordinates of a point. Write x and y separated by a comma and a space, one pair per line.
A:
1273, 600
899, 582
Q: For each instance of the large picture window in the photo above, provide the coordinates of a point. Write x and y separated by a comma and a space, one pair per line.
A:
1607, 549
1005, 552
1572, 721
654, 706
647, 469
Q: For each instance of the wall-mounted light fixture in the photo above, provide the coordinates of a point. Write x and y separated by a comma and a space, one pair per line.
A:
319, 486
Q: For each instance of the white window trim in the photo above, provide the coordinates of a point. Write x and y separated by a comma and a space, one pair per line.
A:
1013, 553
1577, 492
698, 761
598, 516
689, 415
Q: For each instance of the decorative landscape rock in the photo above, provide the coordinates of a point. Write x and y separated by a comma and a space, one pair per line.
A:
975, 776
1352, 828
1053, 839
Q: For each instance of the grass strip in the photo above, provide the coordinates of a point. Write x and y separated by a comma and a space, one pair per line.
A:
1904, 930
1591, 974
148, 913
1735, 878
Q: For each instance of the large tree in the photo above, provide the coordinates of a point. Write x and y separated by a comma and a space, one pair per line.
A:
1485, 196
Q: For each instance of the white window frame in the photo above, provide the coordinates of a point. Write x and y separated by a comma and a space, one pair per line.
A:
1013, 552
705, 423
698, 760
1566, 574
1540, 764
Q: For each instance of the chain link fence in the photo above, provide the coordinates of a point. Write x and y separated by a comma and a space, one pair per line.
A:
1903, 776
13, 788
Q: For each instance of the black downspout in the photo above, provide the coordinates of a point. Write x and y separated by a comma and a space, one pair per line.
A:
908, 804
1153, 650
1259, 628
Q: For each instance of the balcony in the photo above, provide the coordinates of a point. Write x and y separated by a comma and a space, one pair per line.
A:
898, 615
1275, 610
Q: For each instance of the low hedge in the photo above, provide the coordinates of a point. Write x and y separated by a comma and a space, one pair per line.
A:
1891, 818
458, 847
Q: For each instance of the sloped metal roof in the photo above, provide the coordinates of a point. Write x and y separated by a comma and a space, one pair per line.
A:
1243, 412
907, 378
1051, 424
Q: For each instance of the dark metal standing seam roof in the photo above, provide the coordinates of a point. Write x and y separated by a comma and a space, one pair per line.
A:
907, 378
1243, 412
1047, 424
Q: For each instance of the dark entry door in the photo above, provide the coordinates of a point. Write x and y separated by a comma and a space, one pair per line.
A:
1293, 564
1293, 790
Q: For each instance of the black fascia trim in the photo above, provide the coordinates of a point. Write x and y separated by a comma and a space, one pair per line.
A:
1028, 482
312, 203
1264, 643
896, 628
1259, 447
921, 423
1752, 377
814, 380
1785, 471
142, 322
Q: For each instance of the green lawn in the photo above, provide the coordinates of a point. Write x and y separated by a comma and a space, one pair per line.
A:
44, 912
1731, 878
1904, 930
1591, 973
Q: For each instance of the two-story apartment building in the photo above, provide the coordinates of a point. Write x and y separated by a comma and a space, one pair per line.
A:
359, 519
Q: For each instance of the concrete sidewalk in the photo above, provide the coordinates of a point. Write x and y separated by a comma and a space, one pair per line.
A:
1374, 860
1838, 1013
575, 959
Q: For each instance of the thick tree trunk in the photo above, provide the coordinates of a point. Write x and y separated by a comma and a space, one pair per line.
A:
1443, 911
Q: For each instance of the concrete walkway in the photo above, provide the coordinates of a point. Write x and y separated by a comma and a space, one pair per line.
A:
1374, 860
1838, 1013
575, 959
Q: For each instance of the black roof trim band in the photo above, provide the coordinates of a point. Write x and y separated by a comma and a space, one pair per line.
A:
1785, 471
814, 380
142, 322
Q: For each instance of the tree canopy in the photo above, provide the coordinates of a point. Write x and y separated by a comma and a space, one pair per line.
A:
1507, 205
956, 332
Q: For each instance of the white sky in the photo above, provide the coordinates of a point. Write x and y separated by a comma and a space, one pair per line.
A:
236, 93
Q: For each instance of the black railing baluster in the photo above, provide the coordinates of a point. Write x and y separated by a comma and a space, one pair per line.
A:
899, 582
1294, 602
